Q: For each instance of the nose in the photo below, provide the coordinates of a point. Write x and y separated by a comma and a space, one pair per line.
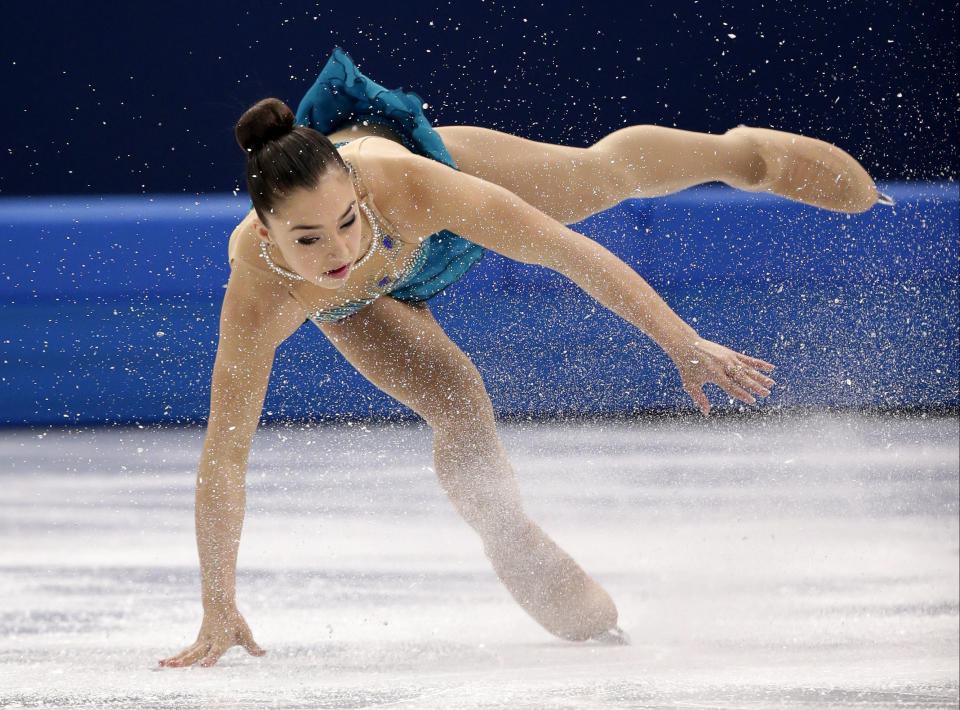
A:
340, 250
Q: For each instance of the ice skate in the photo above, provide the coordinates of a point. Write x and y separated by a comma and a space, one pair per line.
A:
613, 637
808, 170
551, 586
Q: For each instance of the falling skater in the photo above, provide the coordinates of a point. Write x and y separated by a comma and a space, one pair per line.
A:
362, 212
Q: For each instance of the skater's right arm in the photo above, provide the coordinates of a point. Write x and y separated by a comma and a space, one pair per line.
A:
257, 315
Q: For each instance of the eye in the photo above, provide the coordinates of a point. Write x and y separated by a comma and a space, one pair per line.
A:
307, 241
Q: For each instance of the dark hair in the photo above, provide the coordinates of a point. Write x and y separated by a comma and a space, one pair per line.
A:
281, 158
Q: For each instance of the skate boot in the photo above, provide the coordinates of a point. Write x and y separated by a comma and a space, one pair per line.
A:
551, 587
808, 170
612, 637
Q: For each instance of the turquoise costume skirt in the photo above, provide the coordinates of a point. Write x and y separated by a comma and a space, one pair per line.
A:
342, 94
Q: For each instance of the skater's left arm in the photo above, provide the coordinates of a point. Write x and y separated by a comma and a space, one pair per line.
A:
437, 197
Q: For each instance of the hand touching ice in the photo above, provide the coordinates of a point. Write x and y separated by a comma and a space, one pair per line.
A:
702, 361
219, 631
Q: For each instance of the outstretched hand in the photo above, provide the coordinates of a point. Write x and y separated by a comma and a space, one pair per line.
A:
702, 361
219, 631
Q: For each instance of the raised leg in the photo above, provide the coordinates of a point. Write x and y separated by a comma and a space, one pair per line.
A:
570, 184
402, 350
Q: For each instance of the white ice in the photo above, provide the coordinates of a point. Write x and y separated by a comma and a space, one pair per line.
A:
778, 561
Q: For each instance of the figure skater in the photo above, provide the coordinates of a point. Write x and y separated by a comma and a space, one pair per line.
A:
362, 212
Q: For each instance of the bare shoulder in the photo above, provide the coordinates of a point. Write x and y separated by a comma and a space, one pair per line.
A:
423, 196
407, 187
389, 169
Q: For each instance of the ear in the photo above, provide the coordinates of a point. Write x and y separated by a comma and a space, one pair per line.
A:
261, 231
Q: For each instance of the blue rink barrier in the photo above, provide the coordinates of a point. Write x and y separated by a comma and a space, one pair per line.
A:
110, 309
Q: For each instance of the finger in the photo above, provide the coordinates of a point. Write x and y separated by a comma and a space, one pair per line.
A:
735, 390
213, 655
177, 657
699, 398
755, 362
192, 657
743, 362
763, 379
246, 640
251, 646
752, 375
746, 379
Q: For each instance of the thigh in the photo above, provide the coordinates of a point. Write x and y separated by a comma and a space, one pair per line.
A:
567, 183
404, 352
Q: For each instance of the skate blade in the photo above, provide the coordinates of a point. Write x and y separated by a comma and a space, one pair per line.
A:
885, 199
613, 637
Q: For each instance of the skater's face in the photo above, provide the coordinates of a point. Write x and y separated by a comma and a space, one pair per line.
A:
317, 232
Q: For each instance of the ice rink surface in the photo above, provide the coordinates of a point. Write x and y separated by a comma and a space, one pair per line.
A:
782, 560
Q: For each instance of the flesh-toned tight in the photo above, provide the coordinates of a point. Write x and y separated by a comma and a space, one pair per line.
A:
570, 184
402, 350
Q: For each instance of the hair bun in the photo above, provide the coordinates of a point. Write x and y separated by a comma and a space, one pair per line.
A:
265, 121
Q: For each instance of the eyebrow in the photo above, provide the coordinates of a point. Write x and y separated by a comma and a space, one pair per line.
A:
320, 226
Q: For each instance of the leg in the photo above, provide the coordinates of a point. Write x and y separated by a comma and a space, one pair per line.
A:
570, 184
402, 350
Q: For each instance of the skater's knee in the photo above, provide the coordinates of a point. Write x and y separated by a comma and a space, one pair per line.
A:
628, 139
619, 159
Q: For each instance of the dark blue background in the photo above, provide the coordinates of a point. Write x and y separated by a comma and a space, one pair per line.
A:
112, 310
110, 287
142, 97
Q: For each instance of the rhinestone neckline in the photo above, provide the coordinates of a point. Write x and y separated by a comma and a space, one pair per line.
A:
278, 269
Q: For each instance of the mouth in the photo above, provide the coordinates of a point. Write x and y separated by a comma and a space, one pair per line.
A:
338, 273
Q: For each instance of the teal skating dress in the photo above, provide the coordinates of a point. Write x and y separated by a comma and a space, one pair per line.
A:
341, 94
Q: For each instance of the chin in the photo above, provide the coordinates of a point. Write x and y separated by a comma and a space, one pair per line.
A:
328, 283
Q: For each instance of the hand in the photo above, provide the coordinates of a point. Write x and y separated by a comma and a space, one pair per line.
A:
219, 631
701, 361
